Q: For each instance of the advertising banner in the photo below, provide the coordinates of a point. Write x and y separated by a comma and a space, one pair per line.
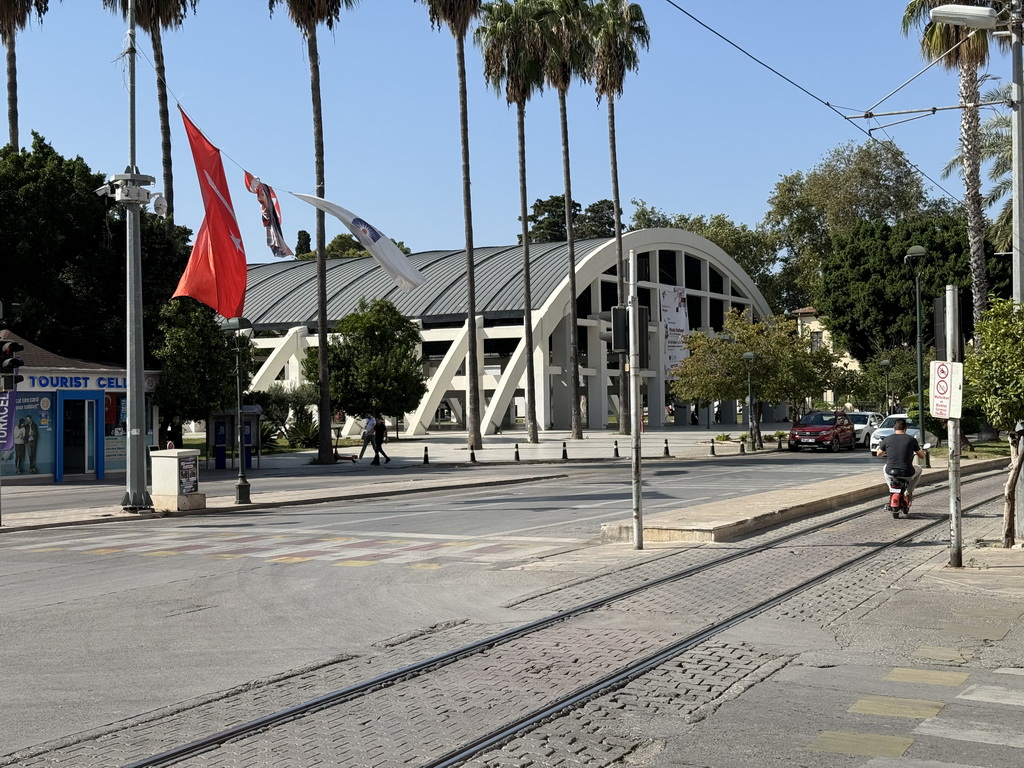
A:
676, 318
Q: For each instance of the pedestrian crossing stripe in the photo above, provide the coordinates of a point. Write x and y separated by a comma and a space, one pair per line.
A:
890, 706
927, 676
863, 744
357, 563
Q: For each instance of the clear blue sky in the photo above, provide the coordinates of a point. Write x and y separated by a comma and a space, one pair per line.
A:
701, 127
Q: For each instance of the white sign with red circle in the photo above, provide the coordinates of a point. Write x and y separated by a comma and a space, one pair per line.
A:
946, 391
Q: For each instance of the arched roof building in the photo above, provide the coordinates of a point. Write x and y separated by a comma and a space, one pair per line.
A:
282, 296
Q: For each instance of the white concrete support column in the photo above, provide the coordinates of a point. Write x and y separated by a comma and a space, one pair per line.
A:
561, 394
597, 391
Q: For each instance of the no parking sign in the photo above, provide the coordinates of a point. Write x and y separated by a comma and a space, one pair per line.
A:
946, 391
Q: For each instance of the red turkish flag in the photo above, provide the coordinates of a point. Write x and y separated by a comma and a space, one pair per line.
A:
216, 270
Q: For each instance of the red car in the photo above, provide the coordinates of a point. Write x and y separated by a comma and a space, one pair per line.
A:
823, 429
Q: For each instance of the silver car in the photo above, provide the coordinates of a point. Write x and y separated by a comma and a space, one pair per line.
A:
886, 428
865, 423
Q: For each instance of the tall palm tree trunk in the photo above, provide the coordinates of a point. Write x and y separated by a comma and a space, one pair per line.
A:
620, 269
12, 91
325, 452
531, 381
576, 428
970, 131
165, 122
472, 363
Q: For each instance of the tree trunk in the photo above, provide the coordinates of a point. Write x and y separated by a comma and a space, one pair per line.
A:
473, 438
165, 122
325, 449
576, 428
531, 381
12, 91
971, 151
620, 267
1010, 491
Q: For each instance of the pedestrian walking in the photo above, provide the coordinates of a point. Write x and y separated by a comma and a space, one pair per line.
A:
380, 434
368, 433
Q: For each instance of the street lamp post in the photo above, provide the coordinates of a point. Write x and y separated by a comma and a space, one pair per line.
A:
749, 357
237, 325
885, 365
915, 255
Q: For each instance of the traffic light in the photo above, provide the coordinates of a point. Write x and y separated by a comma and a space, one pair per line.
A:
618, 338
9, 365
644, 351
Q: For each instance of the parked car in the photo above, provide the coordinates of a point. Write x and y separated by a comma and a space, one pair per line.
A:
823, 429
864, 424
886, 429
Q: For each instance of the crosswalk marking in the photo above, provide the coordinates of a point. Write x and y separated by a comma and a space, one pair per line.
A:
960, 730
939, 653
907, 762
863, 744
893, 707
993, 694
927, 676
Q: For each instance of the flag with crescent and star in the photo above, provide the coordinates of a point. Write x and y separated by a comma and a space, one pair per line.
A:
271, 210
383, 249
216, 271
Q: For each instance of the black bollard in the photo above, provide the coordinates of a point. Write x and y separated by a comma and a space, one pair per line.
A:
472, 456
565, 453
779, 447
743, 448
517, 451
666, 454
712, 451
615, 454
426, 455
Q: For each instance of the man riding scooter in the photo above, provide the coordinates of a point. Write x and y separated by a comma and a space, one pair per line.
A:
899, 450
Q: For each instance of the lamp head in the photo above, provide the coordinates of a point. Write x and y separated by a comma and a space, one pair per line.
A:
964, 16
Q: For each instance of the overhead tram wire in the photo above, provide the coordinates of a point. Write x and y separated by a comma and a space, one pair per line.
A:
806, 92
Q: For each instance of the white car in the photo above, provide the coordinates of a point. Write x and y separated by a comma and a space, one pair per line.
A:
886, 428
865, 423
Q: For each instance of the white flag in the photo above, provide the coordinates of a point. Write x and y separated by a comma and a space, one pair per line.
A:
379, 245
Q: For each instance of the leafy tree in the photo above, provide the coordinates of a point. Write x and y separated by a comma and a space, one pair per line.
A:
755, 250
303, 245
995, 380
457, 16
785, 368
869, 301
65, 255
570, 56
514, 49
375, 361
198, 373
14, 16
967, 51
547, 219
596, 221
853, 183
154, 16
307, 17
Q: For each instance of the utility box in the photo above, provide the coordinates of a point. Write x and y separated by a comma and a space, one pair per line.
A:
176, 480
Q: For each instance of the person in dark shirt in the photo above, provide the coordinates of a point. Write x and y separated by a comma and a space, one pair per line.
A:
899, 450
380, 432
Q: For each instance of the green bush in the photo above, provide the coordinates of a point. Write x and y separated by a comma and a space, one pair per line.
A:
302, 432
725, 437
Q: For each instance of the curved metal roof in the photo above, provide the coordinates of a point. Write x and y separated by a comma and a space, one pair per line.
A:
282, 294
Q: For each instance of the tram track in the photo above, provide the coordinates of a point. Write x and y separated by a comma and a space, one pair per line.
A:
579, 694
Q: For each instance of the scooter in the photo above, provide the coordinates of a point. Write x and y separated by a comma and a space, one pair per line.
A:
899, 504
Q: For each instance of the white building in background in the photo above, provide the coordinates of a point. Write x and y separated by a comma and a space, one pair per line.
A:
281, 296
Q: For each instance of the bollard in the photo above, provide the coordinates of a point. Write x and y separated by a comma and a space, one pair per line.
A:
472, 456
779, 447
666, 454
712, 451
565, 453
927, 459
426, 455
743, 448
615, 454
517, 451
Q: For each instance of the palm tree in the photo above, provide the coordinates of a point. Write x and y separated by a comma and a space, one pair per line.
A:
967, 58
14, 16
154, 16
457, 16
570, 55
307, 16
513, 47
619, 29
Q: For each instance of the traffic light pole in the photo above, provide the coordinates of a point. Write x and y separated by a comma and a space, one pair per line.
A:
636, 422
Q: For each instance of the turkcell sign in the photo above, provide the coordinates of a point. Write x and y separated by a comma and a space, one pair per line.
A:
946, 390
6, 421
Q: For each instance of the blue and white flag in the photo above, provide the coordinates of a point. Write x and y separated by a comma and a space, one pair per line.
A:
379, 245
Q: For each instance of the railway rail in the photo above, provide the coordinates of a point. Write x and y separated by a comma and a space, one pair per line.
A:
787, 565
